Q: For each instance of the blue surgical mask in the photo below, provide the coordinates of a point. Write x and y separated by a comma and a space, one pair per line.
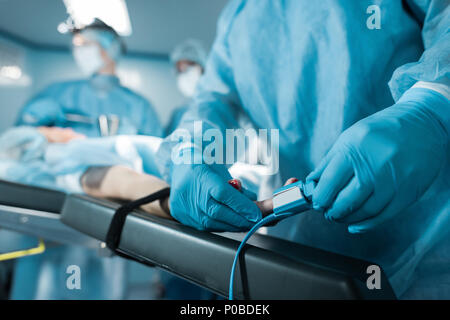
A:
187, 81
88, 58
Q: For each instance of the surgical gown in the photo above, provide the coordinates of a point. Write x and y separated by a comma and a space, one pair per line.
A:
80, 104
312, 69
175, 119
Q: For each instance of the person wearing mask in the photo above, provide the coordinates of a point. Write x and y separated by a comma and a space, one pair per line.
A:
98, 105
359, 94
188, 59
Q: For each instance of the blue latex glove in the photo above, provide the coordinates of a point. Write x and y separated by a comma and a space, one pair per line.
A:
201, 197
385, 162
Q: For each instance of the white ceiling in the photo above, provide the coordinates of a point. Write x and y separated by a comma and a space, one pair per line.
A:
158, 25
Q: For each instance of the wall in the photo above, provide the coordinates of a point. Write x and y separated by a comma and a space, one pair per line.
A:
14, 94
155, 80
151, 77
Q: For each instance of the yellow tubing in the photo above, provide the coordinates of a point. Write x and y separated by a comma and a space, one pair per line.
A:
23, 253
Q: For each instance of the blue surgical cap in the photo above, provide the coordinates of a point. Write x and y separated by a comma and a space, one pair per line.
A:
191, 50
107, 41
104, 35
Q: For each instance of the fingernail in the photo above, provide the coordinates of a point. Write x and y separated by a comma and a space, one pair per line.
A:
235, 184
318, 207
353, 229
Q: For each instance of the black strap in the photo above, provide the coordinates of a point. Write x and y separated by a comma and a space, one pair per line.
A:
412, 10
116, 226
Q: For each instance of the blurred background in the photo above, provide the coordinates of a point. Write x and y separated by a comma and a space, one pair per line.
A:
35, 51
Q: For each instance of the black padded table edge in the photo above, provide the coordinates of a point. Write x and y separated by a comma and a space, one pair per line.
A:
29, 197
36, 211
272, 268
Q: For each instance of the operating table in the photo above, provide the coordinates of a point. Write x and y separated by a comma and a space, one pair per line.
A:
269, 268
36, 212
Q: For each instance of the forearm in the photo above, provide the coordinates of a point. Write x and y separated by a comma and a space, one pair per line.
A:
123, 183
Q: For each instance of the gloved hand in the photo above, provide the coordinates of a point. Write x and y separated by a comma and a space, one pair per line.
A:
201, 197
383, 163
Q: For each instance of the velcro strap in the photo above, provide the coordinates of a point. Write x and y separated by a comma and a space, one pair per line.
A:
116, 226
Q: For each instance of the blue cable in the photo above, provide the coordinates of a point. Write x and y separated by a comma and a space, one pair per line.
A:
291, 209
262, 222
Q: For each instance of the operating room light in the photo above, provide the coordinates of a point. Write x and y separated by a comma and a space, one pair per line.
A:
113, 12
11, 72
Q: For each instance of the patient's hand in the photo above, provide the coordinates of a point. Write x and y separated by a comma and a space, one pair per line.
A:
59, 135
266, 206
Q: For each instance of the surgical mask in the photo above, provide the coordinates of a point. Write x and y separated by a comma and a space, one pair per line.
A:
88, 58
187, 81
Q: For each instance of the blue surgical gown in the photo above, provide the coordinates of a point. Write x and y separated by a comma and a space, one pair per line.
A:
312, 69
79, 104
175, 119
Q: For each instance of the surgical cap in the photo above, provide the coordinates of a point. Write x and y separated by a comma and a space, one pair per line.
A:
191, 50
106, 36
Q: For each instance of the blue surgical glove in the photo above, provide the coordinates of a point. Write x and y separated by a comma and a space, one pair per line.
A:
385, 162
201, 197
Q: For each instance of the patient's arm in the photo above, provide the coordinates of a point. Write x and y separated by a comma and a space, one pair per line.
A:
123, 183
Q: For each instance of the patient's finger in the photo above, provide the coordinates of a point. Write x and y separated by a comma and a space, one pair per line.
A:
290, 181
266, 206
236, 183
